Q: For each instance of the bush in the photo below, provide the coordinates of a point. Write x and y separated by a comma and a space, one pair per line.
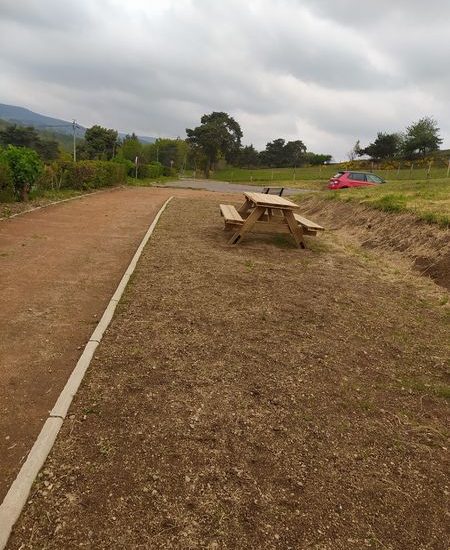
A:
6, 183
129, 165
93, 174
151, 170
25, 167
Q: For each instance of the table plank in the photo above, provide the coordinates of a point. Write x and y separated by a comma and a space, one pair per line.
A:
262, 199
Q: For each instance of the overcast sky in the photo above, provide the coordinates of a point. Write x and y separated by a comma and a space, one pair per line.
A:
324, 71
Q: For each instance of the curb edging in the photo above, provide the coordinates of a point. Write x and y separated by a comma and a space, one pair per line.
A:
18, 493
82, 196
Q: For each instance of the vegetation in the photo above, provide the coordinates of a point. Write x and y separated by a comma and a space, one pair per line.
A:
218, 134
429, 200
22, 168
99, 143
21, 136
420, 140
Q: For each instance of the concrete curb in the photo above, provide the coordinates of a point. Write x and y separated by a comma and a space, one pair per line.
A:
59, 202
17, 496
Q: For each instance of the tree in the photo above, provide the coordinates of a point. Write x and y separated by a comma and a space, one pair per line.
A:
218, 134
101, 142
280, 154
27, 136
356, 151
247, 157
25, 166
293, 152
315, 159
385, 146
422, 138
273, 155
131, 147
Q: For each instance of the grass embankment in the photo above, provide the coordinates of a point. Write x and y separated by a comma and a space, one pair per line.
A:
428, 200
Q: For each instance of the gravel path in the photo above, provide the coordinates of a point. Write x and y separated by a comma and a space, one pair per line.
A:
225, 187
58, 268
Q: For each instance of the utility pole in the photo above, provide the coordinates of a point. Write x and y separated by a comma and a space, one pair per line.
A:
74, 128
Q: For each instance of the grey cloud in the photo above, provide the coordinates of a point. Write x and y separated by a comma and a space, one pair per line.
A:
322, 71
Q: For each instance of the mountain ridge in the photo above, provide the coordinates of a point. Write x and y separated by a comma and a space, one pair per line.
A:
26, 117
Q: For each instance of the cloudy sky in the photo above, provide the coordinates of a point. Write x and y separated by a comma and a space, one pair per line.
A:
324, 71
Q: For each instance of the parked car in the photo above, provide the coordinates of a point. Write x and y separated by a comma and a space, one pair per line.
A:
345, 179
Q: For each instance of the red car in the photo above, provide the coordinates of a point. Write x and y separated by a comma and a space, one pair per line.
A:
343, 180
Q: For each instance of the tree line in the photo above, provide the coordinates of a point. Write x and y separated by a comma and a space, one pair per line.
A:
419, 140
219, 137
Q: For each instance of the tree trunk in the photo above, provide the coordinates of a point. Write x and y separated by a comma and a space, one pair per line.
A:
24, 193
207, 168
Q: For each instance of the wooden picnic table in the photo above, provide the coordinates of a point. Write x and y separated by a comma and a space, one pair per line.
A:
265, 213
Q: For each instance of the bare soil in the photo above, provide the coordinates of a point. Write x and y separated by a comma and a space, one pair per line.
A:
256, 397
58, 269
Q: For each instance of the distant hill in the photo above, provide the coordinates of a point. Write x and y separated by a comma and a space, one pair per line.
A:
25, 117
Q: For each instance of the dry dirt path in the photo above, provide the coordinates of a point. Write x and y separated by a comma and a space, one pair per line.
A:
255, 397
58, 269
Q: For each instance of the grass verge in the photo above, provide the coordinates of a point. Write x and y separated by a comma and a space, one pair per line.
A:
427, 200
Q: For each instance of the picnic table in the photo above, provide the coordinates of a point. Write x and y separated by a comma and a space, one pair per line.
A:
267, 213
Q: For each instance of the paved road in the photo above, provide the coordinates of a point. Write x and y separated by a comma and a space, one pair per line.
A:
225, 187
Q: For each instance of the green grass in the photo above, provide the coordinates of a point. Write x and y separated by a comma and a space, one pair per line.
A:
313, 177
428, 200
433, 388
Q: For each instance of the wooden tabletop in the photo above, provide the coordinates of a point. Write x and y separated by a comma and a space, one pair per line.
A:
274, 201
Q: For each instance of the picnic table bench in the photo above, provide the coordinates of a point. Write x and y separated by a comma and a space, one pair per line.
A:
267, 213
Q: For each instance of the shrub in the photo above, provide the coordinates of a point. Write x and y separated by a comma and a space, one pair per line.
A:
129, 165
151, 170
93, 174
25, 167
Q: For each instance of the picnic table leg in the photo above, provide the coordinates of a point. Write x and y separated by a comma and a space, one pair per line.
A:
296, 230
247, 225
244, 209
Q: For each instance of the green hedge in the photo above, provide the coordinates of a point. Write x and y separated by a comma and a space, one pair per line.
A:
151, 170
82, 175
93, 174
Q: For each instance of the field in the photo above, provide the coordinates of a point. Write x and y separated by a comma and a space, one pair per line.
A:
256, 396
316, 175
427, 200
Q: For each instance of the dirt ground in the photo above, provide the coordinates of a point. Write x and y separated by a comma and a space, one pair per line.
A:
256, 397
58, 269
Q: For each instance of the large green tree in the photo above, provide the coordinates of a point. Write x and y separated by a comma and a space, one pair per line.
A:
280, 154
218, 135
385, 146
101, 143
130, 148
422, 138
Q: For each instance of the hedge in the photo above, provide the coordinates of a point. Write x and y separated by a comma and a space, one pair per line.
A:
93, 174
